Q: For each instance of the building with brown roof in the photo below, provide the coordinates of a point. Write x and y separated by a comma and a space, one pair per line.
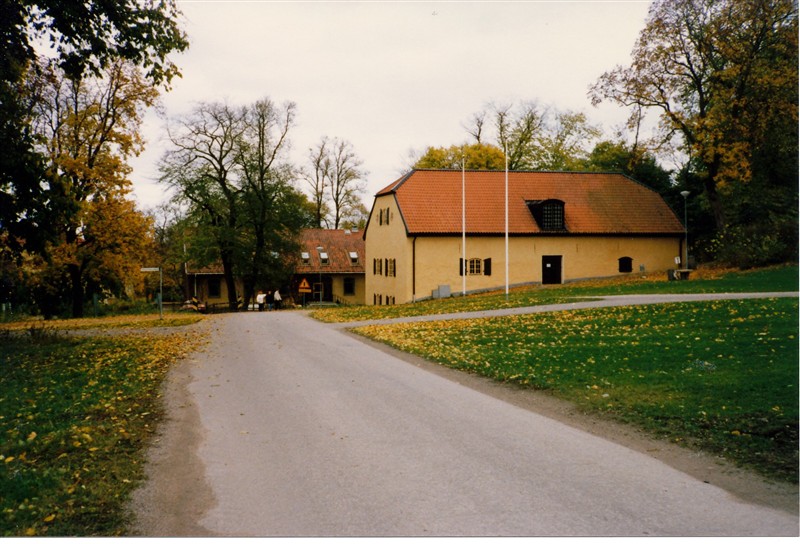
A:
331, 267
328, 268
562, 226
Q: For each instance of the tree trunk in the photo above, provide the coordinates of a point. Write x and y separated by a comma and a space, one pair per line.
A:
230, 282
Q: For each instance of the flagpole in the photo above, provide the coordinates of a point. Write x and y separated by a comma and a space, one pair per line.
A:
463, 226
506, 154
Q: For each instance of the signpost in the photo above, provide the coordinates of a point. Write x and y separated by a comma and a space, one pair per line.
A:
160, 289
304, 288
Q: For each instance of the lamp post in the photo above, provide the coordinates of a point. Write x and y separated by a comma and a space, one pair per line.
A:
685, 194
319, 254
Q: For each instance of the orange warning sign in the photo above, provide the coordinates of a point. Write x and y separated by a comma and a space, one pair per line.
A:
304, 286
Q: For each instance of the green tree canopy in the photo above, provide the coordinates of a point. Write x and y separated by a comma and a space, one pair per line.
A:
473, 157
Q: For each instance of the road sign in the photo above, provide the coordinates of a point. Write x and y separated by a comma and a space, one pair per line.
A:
304, 286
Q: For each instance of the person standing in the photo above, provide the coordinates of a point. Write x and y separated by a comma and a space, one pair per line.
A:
260, 298
277, 298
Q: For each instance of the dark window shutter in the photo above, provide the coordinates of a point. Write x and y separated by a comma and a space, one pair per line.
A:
461, 267
487, 267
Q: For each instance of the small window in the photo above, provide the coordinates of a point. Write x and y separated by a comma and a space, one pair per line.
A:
625, 264
323, 257
306, 257
391, 267
353, 257
474, 267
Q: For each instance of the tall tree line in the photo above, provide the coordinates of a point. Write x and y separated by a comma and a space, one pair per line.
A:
722, 74
67, 127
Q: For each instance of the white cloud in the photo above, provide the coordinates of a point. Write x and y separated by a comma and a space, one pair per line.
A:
391, 76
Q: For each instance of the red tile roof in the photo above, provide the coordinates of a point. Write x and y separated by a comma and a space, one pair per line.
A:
338, 244
594, 203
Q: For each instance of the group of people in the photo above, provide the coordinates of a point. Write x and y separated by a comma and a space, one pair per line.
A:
269, 299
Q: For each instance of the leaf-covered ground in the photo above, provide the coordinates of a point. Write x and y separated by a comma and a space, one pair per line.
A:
75, 417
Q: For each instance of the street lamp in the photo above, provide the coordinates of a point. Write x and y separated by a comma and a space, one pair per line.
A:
319, 253
685, 194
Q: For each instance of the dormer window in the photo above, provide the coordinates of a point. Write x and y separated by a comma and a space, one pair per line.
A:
549, 214
306, 257
353, 257
323, 257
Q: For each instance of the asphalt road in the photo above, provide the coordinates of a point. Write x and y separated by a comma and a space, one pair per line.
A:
290, 427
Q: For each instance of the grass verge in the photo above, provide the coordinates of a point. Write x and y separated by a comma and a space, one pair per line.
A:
145, 321
75, 417
778, 278
721, 376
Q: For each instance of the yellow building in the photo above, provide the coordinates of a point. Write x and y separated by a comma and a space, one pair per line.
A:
330, 268
426, 237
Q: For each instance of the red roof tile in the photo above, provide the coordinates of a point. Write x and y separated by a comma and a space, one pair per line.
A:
338, 244
594, 203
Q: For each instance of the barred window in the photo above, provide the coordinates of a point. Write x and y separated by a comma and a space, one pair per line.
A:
549, 214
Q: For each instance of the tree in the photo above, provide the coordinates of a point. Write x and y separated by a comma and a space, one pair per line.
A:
535, 138
228, 166
346, 180
335, 180
88, 129
170, 237
515, 131
273, 208
608, 156
86, 37
476, 156
200, 166
723, 75
317, 179
564, 144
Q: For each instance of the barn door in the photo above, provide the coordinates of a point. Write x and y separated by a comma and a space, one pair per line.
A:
551, 269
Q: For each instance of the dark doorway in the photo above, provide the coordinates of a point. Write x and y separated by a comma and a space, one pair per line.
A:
326, 287
551, 269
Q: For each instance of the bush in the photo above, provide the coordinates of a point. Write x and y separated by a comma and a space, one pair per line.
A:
753, 245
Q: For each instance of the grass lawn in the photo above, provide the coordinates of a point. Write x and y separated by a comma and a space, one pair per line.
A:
144, 321
75, 417
779, 278
721, 376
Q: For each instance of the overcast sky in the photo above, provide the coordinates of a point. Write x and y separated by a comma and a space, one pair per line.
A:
391, 77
